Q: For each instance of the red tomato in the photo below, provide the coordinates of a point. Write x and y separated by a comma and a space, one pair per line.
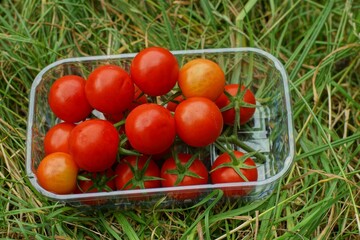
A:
201, 78
176, 173
67, 99
57, 173
94, 145
228, 174
98, 182
150, 128
245, 112
109, 89
198, 121
57, 138
155, 71
172, 105
132, 174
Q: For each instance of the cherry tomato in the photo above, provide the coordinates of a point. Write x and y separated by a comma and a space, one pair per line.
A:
109, 89
57, 173
227, 174
135, 172
201, 78
150, 128
186, 170
94, 145
155, 71
242, 97
57, 138
198, 121
67, 99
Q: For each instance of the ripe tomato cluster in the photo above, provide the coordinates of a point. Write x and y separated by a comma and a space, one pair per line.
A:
147, 113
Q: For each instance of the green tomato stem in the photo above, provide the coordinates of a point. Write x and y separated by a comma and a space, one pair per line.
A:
120, 123
127, 152
234, 140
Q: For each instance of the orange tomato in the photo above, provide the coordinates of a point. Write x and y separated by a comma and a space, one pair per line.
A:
201, 78
57, 173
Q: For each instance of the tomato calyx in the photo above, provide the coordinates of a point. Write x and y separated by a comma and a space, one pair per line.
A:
99, 181
236, 103
182, 170
236, 163
139, 179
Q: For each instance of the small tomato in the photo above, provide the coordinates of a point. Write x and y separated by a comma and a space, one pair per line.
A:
57, 173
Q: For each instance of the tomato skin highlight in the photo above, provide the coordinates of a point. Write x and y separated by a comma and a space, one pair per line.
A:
229, 175
154, 70
150, 128
246, 113
198, 121
94, 145
57, 138
125, 174
201, 78
67, 99
109, 89
57, 173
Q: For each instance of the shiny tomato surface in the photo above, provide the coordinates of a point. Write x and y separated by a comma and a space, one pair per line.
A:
155, 71
109, 89
94, 145
201, 78
198, 121
57, 173
150, 128
67, 99
57, 138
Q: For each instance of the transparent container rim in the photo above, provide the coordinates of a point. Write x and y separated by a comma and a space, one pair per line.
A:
287, 162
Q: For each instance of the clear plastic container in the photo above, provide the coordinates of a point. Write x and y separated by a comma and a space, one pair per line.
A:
269, 132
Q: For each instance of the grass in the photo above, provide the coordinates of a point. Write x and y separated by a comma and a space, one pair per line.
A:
317, 41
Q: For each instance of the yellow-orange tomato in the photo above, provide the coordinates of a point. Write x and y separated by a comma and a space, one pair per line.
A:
57, 173
201, 78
